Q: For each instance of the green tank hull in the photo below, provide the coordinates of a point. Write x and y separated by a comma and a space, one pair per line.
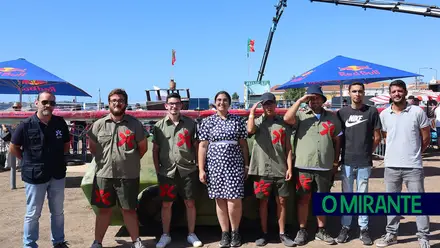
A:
149, 203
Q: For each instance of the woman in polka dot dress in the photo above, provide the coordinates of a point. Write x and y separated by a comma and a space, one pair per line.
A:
223, 165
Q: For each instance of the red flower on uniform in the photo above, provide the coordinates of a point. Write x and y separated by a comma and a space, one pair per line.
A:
261, 187
184, 139
126, 138
167, 190
101, 196
303, 182
280, 136
328, 127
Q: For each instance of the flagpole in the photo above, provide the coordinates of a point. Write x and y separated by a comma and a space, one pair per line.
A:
249, 65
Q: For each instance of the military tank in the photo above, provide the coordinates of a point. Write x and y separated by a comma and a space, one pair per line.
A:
149, 202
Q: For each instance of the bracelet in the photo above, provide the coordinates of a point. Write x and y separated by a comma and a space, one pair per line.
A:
251, 116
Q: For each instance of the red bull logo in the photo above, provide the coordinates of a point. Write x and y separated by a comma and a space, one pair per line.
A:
33, 82
354, 68
304, 75
12, 72
357, 70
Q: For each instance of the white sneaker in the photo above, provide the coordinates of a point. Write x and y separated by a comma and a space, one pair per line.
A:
165, 240
193, 240
96, 245
138, 244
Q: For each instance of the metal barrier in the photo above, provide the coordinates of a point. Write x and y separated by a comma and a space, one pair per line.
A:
380, 150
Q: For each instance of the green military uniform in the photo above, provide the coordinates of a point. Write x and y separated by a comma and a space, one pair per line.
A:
117, 161
268, 165
314, 149
177, 158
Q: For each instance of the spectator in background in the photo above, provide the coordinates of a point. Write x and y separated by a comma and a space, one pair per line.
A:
410, 100
437, 123
138, 107
77, 130
6, 136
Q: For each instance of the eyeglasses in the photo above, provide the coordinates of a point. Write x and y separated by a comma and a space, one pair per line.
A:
115, 101
51, 103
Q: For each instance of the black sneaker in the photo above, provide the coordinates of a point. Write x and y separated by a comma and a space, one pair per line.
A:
61, 245
235, 239
225, 241
365, 237
323, 235
343, 235
301, 237
262, 241
286, 240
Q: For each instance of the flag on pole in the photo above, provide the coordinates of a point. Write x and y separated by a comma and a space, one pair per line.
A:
173, 57
250, 46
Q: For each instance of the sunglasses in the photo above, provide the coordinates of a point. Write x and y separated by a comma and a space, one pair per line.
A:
51, 103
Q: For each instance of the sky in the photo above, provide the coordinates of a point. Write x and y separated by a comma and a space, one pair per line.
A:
111, 44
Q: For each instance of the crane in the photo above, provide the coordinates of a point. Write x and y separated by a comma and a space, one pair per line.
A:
394, 6
279, 11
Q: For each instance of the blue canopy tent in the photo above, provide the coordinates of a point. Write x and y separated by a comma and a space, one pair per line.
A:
22, 77
342, 70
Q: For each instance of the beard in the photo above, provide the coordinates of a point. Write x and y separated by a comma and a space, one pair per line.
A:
46, 112
118, 112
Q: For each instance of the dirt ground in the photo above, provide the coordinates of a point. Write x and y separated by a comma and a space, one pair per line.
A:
79, 219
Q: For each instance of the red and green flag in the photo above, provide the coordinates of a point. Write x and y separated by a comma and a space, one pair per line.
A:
173, 57
250, 46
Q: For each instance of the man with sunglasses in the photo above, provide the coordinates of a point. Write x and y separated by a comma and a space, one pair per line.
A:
360, 137
174, 155
118, 142
41, 142
271, 164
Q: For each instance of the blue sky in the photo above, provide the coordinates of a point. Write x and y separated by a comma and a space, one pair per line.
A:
108, 44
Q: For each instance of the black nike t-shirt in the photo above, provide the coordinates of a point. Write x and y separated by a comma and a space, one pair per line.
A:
358, 127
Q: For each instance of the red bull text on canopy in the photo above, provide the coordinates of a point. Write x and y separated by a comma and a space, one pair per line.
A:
356, 70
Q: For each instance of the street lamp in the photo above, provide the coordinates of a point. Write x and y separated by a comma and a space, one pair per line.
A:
429, 68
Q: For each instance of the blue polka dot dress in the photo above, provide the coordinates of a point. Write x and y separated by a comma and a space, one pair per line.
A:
224, 161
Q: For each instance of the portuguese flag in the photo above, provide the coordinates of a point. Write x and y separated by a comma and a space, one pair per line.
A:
250, 46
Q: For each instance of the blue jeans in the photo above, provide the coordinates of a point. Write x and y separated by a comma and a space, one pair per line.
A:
361, 174
35, 194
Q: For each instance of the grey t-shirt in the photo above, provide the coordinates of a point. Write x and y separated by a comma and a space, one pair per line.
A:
358, 127
403, 140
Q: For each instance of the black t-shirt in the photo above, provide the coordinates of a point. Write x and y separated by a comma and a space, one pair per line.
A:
358, 127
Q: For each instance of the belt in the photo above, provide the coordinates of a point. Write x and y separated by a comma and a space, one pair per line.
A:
224, 142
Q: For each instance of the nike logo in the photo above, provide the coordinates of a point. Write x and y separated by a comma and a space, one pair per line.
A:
350, 124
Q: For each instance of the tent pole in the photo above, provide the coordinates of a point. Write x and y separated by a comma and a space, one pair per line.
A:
20, 88
340, 92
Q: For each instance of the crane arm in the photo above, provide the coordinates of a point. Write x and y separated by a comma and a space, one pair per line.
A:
279, 11
394, 6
